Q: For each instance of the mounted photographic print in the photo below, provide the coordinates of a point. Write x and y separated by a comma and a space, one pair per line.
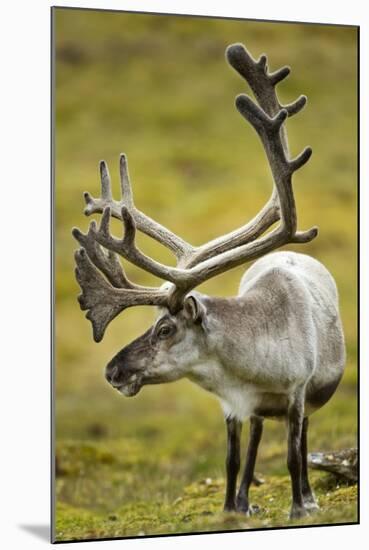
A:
205, 240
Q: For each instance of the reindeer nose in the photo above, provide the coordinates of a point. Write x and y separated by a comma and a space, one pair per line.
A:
111, 372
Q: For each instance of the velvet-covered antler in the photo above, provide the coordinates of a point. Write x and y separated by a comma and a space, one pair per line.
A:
105, 297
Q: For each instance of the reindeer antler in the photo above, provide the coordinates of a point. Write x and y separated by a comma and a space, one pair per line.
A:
143, 223
105, 298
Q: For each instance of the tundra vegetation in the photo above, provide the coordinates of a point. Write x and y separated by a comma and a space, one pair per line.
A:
155, 464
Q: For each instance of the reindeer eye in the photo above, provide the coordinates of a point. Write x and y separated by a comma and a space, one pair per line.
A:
165, 331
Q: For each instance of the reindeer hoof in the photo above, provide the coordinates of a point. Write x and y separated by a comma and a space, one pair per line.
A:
298, 512
243, 508
311, 506
229, 507
248, 510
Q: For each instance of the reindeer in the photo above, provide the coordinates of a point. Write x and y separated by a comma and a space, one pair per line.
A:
274, 351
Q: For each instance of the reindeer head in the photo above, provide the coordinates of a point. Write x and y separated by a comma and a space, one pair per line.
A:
169, 349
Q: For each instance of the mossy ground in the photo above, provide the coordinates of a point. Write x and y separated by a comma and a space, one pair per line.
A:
150, 472
197, 509
159, 90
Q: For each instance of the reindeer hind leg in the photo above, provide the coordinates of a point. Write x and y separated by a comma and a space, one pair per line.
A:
308, 497
295, 417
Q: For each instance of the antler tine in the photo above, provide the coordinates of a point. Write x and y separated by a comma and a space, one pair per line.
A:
125, 184
144, 223
108, 263
103, 301
106, 194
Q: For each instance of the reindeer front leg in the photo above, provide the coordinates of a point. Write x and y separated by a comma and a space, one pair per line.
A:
232, 462
295, 417
256, 430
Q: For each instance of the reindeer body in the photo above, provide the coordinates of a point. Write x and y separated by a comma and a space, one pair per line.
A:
281, 332
274, 351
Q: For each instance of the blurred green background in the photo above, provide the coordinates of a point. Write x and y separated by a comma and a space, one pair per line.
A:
158, 88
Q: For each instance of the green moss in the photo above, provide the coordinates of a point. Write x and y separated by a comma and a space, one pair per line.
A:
199, 509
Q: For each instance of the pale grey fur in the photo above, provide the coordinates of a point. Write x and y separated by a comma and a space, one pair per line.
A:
282, 332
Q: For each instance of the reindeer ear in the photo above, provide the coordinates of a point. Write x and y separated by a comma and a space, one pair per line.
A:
194, 310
